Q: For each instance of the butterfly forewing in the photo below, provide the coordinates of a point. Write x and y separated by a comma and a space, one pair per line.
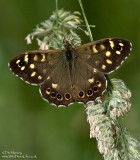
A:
105, 55
34, 66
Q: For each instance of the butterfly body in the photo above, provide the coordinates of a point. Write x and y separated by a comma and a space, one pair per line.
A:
72, 74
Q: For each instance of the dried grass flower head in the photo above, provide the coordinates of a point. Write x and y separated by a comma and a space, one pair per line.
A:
51, 33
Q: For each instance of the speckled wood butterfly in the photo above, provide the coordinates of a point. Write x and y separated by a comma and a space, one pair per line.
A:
72, 74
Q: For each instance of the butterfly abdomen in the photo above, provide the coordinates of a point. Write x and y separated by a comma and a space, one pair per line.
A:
69, 55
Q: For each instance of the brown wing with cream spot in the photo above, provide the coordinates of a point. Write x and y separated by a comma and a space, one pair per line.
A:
57, 88
34, 66
105, 55
89, 84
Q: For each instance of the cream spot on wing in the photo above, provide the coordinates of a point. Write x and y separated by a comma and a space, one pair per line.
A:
43, 57
48, 77
91, 80
40, 77
33, 74
121, 44
48, 91
102, 47
54, 85
109, 61
26, 58
111, 44
118, 52
94, 49
22, 68
99, 84
94, 70
108, 53
35, 57
32, 66
18, 61
103, 66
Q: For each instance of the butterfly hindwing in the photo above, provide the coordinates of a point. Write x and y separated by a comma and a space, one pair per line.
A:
57, 87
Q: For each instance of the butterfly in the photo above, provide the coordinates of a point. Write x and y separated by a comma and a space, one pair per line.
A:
72, 74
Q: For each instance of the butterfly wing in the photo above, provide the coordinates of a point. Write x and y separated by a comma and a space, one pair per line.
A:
105, 55
89, 84
57, 88
34, 66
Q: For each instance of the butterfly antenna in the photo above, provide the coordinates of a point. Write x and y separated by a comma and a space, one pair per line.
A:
85, 19
56, 8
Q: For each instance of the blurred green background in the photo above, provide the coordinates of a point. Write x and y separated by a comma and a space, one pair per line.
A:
29, 124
